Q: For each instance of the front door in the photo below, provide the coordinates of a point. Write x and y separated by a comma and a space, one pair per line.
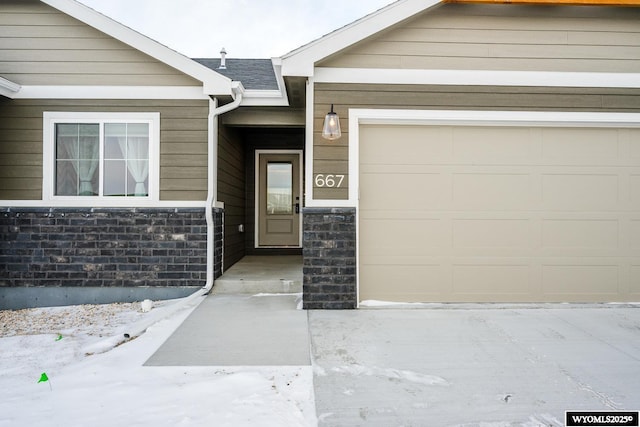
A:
278, 199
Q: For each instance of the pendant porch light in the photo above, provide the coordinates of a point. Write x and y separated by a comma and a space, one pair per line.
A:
331, 127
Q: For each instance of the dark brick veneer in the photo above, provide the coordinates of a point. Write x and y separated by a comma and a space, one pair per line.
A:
93, 247
329, 258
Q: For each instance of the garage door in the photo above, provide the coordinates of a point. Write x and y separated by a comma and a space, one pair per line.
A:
499, 214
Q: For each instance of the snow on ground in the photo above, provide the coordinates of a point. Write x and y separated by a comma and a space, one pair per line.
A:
97, 378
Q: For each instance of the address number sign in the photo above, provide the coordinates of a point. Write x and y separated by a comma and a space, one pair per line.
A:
323, 180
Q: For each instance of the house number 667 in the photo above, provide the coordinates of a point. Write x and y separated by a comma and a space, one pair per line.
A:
329, 180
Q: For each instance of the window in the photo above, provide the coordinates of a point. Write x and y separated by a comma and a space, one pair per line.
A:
106, 156
279, 188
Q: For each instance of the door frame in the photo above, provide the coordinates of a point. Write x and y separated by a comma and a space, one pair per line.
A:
256, 240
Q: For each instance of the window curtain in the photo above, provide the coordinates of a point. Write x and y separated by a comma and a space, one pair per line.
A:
89, 155
82, 149
135, 149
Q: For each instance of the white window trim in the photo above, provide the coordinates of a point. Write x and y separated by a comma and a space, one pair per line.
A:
50, 118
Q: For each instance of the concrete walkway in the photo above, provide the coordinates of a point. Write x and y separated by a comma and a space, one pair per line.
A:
250, 319
239, 330
439, 365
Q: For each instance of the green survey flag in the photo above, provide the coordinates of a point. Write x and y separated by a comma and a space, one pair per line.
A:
59, 337
45, 379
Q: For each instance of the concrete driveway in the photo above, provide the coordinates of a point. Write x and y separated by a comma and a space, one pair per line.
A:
474, 365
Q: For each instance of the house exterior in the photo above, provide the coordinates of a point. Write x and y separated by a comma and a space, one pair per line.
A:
118, 179
489, 153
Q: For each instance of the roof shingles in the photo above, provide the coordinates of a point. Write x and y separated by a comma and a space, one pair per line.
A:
255, 74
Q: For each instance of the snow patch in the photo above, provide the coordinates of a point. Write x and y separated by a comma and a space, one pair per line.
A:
319, 371
544, 420
112, 387
394, 374
377, 303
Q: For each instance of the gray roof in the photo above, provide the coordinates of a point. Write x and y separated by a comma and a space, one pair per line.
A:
255, 74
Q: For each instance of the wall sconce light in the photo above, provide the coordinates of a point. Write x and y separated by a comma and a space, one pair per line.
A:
331, 128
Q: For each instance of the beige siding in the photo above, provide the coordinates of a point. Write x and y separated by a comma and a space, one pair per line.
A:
505, 37
231, 191
42, 46
183, 144
332, 156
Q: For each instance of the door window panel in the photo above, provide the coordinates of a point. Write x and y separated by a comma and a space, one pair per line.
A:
279, 188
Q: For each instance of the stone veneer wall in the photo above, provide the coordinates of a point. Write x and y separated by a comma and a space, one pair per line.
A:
329, 258
90, 247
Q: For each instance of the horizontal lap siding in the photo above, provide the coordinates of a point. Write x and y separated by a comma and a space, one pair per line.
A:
183, 144
332, 156
506, 37
231, 191
42, 46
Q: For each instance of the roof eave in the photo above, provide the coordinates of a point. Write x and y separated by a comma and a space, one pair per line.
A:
8, 88
301, 62
213, 83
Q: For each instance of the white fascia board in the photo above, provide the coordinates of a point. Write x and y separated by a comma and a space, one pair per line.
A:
264, 98
214, 83
477, 77
301, 61
9, 88
111, 92
358, 117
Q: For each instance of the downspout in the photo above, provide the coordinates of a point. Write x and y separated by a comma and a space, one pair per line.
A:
212, 177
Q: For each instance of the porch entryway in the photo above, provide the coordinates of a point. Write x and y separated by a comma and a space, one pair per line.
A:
256, 274
249, 213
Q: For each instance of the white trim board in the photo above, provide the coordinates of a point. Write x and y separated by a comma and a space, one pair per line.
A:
264, 98
476, 77
308, 145
250, 98
111, 92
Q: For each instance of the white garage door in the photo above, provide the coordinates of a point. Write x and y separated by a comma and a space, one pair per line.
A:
499, 214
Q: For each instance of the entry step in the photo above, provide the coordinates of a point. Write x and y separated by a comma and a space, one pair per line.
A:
240, 286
